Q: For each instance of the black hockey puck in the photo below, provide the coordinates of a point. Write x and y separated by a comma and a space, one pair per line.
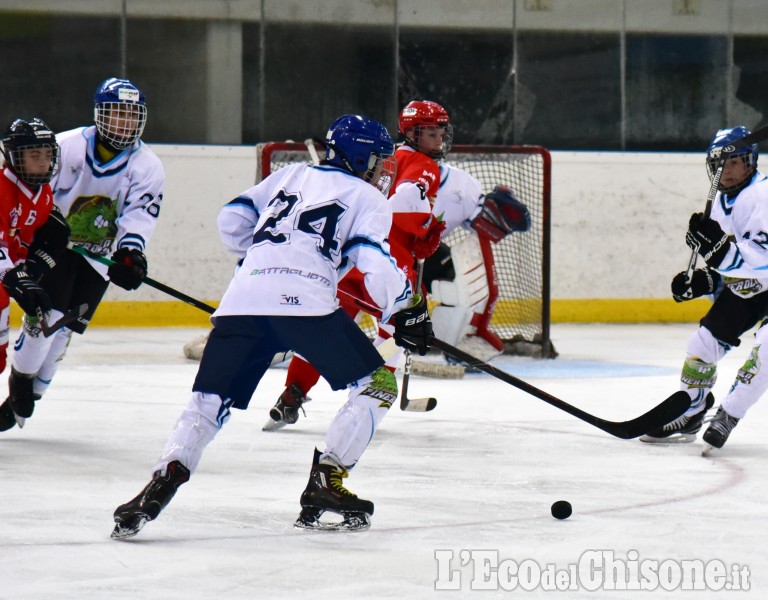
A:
561, 509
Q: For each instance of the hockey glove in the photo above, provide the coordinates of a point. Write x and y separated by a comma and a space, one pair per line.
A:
501, 214
129, 269
702, 283
24, 289
48, 243
425, 247
706, 237
413, 327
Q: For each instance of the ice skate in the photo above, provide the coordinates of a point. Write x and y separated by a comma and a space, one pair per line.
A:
326, 492
286, 410
682, 430
718, 431
132, 516
22, 398
7, 416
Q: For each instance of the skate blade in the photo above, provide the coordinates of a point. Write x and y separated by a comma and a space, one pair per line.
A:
122, 532
272, 425
676, 438
20, 421
351, 522
707, 449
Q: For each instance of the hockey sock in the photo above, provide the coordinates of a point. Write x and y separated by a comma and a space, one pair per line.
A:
355, 424
751, 380
31, 347
195, 429
302, 374
699, 372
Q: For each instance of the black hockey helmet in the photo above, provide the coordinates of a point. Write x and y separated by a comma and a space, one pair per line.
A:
39, 166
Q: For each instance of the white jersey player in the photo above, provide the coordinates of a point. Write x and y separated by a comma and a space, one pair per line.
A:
456, 277
733, 242
310, 222
109, 188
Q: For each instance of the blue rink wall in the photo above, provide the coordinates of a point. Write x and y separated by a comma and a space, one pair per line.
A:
618, 229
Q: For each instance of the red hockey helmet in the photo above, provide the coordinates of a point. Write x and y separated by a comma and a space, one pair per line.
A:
423, 114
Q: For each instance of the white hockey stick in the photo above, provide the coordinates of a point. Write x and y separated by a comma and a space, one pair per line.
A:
310, 144
414, 404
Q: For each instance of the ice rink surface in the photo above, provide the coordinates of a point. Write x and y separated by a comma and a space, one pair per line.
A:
455, 489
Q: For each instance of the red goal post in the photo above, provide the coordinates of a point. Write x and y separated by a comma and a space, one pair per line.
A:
518, 311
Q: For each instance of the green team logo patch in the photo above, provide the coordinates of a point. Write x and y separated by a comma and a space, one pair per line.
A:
92, 220
698, 374
750, 368
383, 387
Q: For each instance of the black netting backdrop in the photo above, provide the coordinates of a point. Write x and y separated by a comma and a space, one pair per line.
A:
521, 314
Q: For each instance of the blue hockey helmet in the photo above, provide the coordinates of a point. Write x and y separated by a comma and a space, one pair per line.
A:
120, 112
748, 154
364, 147
31, 151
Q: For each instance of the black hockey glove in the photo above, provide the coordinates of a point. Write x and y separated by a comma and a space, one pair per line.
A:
413, 327
28, 294
129, 269
49, 242
706, 237
703, 282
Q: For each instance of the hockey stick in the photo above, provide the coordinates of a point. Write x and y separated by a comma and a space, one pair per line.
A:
71, 315
660, 415
149, 281
725, 153
406, 403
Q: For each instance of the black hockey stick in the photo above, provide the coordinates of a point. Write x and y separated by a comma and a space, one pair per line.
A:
406, 403
658, 416
725, 153
71, 315
149, 281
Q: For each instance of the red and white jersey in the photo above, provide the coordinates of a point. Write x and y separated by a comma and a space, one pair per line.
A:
459, 199
299, 228
110, 204
413, 192
22, 212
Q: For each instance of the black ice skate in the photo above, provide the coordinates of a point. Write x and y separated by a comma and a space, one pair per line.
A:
7, 416
132, 516
718, 431
286, 410
326, 492
21, 396
681, 430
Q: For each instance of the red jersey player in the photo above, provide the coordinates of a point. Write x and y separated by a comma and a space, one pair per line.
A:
26, 232
415, 235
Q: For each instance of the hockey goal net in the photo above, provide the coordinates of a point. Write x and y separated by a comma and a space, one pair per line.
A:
518, 309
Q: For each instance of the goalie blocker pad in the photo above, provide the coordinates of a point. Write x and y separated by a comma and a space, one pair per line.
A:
462, 298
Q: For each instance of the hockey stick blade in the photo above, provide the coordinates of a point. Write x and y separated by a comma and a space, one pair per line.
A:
658, 416
413, 404
73, 314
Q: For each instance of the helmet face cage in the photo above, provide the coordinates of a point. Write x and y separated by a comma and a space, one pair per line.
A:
416, 140
422, 116
748, 155
31, 151
382, 174
120, 124
362, 146
120, 113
